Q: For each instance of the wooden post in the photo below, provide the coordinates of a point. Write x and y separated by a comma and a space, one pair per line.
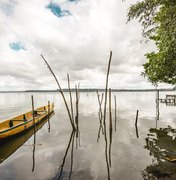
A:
110, 127
157, 104
137, 112
33, 114
104, 120
77, 115
48, 116
71, 102
157, 94
137, 135
115, 126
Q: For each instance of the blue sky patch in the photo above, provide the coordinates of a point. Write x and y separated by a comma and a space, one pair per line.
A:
16, 46
56, 10
7, 8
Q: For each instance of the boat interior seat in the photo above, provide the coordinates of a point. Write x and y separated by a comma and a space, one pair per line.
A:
41, 110
11, 123
35, 113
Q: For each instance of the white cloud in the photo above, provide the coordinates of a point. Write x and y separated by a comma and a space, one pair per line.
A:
78, 44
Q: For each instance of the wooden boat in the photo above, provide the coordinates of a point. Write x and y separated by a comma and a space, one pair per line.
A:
7, 148
18, 124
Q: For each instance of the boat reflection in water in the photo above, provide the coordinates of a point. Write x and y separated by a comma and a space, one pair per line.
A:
9, 146
162, 146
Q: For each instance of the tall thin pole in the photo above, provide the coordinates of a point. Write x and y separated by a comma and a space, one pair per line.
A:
110, 128
77, 115
137, 112
71, 102
115, 113
157, 104
33, 114
104, 120
48, 116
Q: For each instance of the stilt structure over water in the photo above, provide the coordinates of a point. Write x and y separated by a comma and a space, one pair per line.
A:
170, 100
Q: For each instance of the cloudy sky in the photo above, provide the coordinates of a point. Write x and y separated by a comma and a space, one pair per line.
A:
75, 36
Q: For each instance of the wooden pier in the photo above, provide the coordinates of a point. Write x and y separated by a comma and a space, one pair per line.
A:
170, 100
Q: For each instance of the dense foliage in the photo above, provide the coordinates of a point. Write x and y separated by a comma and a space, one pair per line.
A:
158, 18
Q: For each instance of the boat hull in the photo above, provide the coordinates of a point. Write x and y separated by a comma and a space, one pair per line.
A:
22, 125
9, 145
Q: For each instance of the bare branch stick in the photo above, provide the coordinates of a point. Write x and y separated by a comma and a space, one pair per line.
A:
33, 114
49, 116
110, 128
115, 126
71, 102
77, 112
104, 122
60, 90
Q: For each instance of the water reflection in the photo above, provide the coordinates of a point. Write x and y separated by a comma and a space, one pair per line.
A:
102, 126
137, 134
100, 114
33, 151
129, 157
70, 144
162, 145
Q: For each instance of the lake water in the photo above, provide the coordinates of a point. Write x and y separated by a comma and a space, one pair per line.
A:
148, 156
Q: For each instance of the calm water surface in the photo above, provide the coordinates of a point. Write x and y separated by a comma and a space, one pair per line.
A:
146, 157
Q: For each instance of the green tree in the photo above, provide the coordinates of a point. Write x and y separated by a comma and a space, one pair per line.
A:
158, 19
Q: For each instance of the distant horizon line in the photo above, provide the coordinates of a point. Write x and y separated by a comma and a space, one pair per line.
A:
90, 90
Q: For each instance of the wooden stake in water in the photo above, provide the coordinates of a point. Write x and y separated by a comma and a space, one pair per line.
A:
71, 102
78, 98
115, 125
104, 120
33, 114
77, 115
157, 104
137, 135
157, 95
110, 128
48, 116
137, 112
